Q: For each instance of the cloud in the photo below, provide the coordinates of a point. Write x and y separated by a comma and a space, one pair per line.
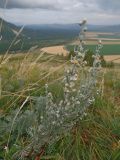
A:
60, 11
46, 4
111, 5
61, 4
43, 4
105, 5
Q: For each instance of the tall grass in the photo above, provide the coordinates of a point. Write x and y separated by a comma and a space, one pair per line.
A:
23, 77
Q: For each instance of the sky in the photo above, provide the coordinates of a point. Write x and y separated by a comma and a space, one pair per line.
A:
25, 12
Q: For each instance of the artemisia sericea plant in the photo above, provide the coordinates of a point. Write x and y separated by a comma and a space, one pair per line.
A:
48, 120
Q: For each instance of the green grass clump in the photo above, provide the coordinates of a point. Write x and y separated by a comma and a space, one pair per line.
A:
96, 137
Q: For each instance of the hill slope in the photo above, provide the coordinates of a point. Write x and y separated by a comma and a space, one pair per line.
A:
8, 30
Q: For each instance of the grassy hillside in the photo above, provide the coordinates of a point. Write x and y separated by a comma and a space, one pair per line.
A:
7, 30
95, 137
42, 37
54, 107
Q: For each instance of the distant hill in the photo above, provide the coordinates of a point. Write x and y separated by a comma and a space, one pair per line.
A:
8, 30
67, 31
76, 28
46, 34
55, 26
104, 28
51, 31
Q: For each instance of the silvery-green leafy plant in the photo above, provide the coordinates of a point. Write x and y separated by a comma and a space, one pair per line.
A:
48, 119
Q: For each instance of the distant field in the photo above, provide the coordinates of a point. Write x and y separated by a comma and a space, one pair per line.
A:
61, 50
103, 35
46, 38
108, 49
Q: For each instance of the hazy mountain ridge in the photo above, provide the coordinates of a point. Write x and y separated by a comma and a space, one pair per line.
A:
98, 28
46, 34
36, 31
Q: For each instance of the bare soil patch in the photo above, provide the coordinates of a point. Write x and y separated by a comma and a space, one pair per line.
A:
57, 50
112, 58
